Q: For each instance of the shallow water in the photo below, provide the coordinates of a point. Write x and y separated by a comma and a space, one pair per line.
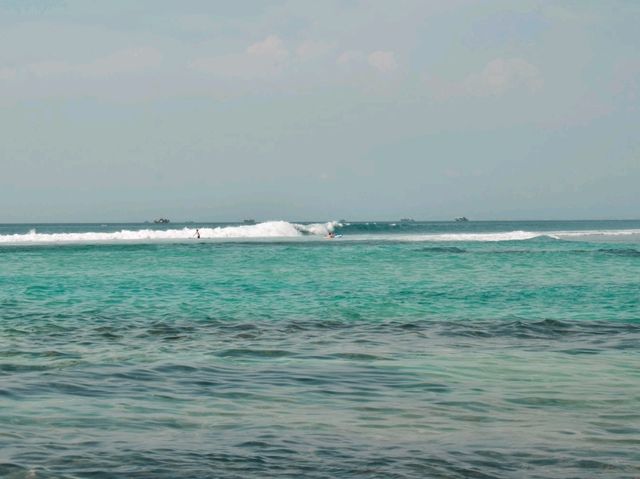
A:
369, 357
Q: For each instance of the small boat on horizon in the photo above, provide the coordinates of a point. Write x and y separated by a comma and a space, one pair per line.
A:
461, 219
407, 220
161, 221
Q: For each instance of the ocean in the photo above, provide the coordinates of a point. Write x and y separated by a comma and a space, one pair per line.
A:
397, 350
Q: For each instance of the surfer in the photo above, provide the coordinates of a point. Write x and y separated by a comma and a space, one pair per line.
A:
197, 233
331, 235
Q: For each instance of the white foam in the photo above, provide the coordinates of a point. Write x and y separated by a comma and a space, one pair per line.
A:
509, 235
284, 229
269, 229
575, 234
503, 236
506, 236
318, 229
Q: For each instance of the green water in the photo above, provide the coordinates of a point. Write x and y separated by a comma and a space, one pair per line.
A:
369, 357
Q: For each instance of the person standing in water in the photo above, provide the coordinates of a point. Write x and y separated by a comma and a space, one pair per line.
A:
197, 233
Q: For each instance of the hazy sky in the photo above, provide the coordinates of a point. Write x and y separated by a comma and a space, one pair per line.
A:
129, 110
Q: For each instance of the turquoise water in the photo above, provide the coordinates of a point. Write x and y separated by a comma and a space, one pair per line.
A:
491, 350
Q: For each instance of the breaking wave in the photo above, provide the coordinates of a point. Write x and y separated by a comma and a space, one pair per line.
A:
288, 230
269, 229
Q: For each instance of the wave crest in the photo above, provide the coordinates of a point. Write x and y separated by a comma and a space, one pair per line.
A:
268, 229
285, 229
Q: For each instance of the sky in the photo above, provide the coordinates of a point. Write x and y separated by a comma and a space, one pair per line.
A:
129, 110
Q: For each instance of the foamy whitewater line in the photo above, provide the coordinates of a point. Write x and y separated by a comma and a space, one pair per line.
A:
572, 234
505, 236
284, 229
269, 229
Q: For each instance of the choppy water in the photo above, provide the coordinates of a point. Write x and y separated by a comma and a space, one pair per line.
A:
404, 350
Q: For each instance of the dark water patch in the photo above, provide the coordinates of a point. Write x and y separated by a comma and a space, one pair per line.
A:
372, 333
358, 357
7, 368
469, 405
624, 430
246, 336
271, 456
516, 251
110, 333
602, 467
624, 252
442, 249
301, 325
75, 389
7, 394
546, 328
254, 353
631, 343
233, 326
176, 368
537, 329
411, 326
427, 387
169, 331
43, 290
137, 374
579, 351
226, 338
35, 354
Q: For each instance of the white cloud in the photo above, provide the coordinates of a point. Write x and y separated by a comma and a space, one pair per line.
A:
271, 47
383, 61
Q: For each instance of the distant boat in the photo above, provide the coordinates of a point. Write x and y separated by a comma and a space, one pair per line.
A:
407, 220
461, 219
161, 221
248, 222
